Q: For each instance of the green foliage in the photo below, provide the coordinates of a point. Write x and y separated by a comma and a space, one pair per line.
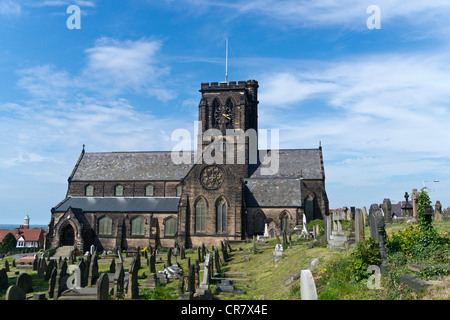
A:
423, 200
49, 252
433, 273
8, 242
364, 255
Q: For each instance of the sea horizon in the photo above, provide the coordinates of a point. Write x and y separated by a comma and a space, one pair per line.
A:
13, 226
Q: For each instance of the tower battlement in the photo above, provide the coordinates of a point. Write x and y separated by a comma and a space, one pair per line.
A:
206, 86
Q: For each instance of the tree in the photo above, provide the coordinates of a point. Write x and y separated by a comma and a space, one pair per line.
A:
9, 242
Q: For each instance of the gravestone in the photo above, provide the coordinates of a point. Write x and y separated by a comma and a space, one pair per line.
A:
438, 211
387, 209
42, 266
103, 287
14, 292
338, 239
133, 285
3, 279
93, 270
35, 262
266, 231
381, 236
84, 272
327, 227
414, 198
51, 265
365, 217
52, 284
169, 256
190, 288
225, 285
119, 280
7, 266
278, 253
374, 215
359, 226
307, 286
25, 282
112, 266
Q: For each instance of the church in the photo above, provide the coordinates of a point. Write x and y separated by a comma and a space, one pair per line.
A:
124, 200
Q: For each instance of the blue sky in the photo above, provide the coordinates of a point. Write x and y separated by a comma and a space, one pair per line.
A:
377, 99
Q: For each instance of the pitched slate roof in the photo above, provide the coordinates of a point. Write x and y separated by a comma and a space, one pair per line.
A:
291, 163
273, 192
120, 204
115, 166
27, 234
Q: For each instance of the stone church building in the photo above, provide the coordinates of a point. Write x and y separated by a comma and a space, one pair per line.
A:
120, 200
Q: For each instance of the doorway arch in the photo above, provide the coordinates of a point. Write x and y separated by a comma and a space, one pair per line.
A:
68, 236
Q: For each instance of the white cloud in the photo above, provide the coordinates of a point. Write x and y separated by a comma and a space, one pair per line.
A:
10, 8
120, 66
379, 117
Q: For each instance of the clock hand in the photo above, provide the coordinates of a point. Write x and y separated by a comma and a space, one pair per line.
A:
226, 116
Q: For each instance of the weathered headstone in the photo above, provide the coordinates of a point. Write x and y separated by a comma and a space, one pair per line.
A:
338, 239
112, 266
25, 282
374, 215
359, 226
307, 286
7, 266
14, 292
3, 279
119, 280
133, 285
103, 287
278, 253
438, 211
327, 224
387, 209
414, 198
93, 270
50, 266
52, 284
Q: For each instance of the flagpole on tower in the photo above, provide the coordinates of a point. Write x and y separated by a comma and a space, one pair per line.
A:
226, 62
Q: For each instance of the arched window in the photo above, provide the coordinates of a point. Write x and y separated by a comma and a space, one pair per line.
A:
200, 215
89, 191
215, 106
179, 190
259, 223
105, 226
118, 192
284, 222
149, 191
309, 209
137, 227
221, 216
170, 228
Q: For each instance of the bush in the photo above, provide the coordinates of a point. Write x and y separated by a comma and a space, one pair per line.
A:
363, 256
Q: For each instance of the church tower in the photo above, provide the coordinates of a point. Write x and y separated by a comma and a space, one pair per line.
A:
228, 106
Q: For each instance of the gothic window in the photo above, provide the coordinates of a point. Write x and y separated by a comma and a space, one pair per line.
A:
221, 216
89, 191
179, 190
149, 191
259, 223
170, 227
118, 192
105, 226
200, 216
284, 222
215, 107
137, 227
309, 209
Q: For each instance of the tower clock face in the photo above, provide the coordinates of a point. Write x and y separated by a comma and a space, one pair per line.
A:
224, 115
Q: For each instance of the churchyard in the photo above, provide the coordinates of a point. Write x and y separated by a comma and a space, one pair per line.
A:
407, 264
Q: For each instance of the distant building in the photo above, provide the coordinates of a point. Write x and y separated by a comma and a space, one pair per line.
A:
26, 237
